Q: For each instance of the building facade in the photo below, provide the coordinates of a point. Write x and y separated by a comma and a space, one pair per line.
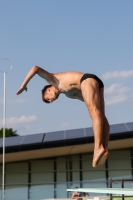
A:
43, 166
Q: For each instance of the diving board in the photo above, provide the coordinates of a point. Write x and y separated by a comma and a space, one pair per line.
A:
124, 191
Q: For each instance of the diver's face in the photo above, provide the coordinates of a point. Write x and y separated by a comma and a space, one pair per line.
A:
50, 95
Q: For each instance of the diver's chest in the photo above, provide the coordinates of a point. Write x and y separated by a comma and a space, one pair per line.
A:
65, 87
72, 92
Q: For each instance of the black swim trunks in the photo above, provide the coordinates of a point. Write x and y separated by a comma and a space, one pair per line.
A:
85, 76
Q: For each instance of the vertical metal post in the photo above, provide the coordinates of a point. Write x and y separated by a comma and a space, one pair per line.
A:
4, 126
80, 172
55, 178
122, 185
110, 182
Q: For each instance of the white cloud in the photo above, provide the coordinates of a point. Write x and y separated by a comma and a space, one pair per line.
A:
21, 120
118, 74
115, 99
116, 93
116, 88
21, 123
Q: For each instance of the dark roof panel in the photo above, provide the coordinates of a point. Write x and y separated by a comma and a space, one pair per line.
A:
76, 133
33, 139
129, 126
61, 138
12, 141
54, 136
118, 128
89, 132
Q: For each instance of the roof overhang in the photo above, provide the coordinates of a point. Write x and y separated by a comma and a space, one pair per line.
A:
61, 143
62, 151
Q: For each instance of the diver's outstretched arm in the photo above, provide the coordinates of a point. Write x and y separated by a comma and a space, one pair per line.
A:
42, 73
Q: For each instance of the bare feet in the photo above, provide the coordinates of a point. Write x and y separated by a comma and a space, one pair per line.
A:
103, 159
97, 155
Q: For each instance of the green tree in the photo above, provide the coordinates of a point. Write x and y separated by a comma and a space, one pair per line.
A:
8, 132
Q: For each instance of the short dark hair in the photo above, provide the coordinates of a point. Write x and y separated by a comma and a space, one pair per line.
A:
43, 92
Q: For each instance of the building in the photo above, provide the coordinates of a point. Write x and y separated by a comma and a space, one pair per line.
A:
44, 165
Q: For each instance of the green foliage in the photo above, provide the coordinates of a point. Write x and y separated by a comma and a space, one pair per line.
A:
8, 132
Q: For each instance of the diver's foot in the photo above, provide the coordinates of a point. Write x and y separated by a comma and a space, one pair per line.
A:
97, 154
103, 159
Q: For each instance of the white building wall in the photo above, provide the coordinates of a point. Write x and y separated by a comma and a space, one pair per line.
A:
49, 178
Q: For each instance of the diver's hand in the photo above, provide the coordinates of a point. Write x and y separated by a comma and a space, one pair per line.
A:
21, 89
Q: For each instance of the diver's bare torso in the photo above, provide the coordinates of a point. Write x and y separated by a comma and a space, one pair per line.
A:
69, 84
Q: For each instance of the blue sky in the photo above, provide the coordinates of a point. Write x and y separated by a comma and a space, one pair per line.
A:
90, 36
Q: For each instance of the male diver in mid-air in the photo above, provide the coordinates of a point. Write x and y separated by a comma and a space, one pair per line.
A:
85, 87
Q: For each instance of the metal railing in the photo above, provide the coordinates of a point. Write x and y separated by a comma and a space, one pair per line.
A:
122, 180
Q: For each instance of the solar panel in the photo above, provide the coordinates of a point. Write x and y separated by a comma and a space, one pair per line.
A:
76, 133
118, 128
32, 139
130, 126
89, 132
54, 136
67, 136
13, 141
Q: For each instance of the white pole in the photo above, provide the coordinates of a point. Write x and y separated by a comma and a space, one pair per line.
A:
4, 126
